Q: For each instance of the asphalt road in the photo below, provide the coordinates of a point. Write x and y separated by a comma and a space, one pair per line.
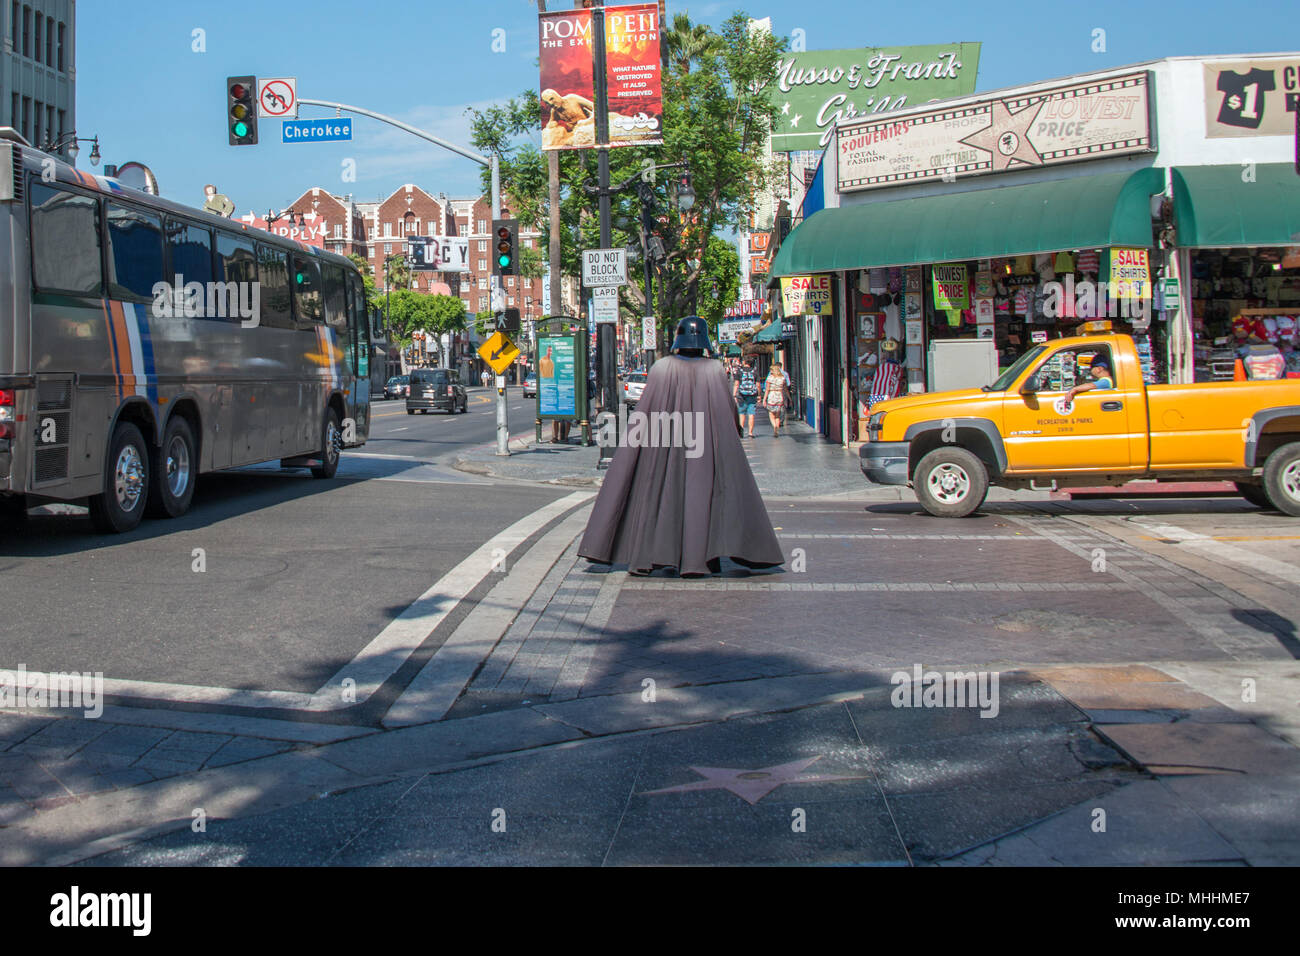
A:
299, 574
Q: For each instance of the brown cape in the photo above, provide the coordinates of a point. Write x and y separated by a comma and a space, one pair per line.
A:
659, 508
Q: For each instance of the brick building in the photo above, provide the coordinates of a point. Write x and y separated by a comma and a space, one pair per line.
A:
377, 230
339, 217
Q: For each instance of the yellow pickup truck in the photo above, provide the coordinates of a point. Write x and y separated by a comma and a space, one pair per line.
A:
1076, 411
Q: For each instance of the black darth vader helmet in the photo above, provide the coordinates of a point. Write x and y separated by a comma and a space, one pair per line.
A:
692, 333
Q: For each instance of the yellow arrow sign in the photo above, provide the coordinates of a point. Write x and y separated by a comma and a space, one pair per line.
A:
498, 352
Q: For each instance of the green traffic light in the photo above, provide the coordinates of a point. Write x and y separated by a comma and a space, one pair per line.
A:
241, 129
503, 261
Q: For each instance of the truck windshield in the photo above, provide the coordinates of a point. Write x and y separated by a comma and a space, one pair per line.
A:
1010, 375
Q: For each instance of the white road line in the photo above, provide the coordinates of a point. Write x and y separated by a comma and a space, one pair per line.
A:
435, 689
385, 653
1284, 571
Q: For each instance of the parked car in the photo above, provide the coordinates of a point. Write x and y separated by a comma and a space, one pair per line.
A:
1036, 427
633, 384
530, 385
436, 389
397, 387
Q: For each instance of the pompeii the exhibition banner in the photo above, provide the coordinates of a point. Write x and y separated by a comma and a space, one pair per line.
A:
632, 77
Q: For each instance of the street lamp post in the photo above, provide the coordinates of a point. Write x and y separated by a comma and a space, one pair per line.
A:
388, 286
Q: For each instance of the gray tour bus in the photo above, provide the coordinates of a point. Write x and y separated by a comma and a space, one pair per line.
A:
143, 342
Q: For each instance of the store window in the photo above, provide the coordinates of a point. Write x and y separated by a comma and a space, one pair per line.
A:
1245, 312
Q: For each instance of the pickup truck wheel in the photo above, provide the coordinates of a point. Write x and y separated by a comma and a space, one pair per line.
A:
1254, 494
951, 482
1282, 479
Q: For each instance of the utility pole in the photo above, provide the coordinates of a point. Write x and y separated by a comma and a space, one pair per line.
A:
605, 331
646, 194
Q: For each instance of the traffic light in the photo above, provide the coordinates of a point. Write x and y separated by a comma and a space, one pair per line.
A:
241, 110
505, 259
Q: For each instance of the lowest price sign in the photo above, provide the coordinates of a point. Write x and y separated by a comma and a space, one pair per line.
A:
951, 287
806, 295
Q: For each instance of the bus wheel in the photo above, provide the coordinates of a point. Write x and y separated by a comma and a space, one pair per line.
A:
172, 472
331, 446
120, 506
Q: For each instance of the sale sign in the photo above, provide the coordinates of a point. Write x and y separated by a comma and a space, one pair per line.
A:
632, 74
806, 295
951, 287
1130, 273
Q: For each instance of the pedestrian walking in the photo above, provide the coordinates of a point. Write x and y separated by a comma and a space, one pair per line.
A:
744, 392
682, 504
775, 390
485, 378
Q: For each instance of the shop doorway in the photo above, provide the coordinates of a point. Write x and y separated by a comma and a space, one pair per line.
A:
832, 373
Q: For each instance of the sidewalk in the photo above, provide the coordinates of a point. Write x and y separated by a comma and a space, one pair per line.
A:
752, 718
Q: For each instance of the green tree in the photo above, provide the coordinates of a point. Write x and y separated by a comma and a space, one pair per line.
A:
718, 112
686, 43
398, 273
367, 275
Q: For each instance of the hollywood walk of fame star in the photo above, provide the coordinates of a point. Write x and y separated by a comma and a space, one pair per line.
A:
1007, 137
753, 785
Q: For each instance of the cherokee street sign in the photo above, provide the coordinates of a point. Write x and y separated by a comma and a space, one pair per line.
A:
498, 352
317, 131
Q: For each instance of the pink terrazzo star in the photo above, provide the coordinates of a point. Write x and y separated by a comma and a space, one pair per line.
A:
753, 785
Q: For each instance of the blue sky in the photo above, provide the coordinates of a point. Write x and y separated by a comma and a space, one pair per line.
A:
150, 98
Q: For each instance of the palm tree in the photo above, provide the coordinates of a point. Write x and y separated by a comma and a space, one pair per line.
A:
687, 42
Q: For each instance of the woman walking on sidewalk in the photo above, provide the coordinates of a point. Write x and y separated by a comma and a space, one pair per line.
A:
774, 397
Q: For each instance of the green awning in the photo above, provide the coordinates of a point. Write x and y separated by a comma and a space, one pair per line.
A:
733, 349
1083, 212
1214, 206
770, 332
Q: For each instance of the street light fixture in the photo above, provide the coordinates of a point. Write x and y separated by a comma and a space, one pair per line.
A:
68, 144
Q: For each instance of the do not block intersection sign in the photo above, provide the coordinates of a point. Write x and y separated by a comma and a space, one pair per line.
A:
604, 267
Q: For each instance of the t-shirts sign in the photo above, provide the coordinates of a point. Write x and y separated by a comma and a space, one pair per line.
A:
806, 295
951, 287
1130, 273
1251, 97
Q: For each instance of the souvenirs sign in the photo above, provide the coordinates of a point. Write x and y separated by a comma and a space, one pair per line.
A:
1034, 127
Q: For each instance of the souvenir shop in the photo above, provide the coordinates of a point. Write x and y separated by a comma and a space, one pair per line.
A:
1240, 258
959, 234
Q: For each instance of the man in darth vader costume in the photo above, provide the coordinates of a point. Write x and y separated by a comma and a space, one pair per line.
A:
689, 504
